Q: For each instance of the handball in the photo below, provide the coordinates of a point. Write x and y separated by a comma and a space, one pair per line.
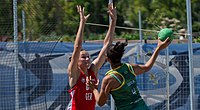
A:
165, 33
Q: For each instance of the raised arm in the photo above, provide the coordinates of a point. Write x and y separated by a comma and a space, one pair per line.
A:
98, 62
139, 69
73, 71
113, 15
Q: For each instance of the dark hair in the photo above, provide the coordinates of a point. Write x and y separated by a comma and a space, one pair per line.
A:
115, 52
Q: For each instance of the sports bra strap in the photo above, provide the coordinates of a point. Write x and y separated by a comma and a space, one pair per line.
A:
116, 78
131, 68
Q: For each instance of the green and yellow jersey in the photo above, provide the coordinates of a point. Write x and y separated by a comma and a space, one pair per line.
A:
127, 96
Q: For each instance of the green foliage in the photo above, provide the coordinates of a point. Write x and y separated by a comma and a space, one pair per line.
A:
129, 36
94, 36
155, 19
6, 18
150, 35
44, 17
51, 37
197, 40
67, 38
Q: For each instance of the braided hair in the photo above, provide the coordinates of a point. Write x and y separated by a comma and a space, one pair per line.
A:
115, 52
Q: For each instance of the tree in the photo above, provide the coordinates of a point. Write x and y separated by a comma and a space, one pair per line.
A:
6, 18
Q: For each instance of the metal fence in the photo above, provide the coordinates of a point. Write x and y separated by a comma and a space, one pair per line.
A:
26, 58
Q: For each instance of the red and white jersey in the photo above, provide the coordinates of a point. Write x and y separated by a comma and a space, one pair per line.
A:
82, 98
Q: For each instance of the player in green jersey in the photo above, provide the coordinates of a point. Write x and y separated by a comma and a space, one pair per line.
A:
121, 82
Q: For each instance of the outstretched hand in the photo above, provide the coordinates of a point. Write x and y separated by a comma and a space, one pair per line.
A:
81, 10
163, 44
91, 84
112, 11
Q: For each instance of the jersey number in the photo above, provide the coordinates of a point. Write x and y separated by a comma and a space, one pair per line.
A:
133, 91
88, 96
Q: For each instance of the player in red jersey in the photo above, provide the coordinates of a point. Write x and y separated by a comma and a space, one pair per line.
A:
82, 98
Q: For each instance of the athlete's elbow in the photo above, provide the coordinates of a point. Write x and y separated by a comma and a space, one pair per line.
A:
147, 68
